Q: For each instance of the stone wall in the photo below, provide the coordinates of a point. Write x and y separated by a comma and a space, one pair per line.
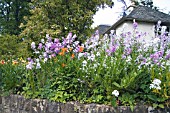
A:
18, 104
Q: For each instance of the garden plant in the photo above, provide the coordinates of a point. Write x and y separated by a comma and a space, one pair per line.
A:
113, 70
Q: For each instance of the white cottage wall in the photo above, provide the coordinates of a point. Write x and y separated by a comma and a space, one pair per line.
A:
142, 27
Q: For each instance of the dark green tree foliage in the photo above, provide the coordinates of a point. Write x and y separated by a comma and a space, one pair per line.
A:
11, 15
148, 3
59, 17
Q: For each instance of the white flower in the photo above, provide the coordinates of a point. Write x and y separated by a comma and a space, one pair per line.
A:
152, 86
95, 66
42, 41
37, 60
37, 52
158, 87
168, 63
80, 55
84, 63
45, 59
113, 31
156, 81
33, 45
156, 40
155, 84
47, 36
116, 93
92, 57
30, 65
128, 59
98, 54
38, 66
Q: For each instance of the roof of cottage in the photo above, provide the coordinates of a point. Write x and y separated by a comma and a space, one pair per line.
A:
143, 14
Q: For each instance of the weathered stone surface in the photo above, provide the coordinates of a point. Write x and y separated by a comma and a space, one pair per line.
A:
18, 104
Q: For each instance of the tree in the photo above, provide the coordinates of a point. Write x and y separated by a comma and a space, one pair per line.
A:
11, 47
148, 3
11, 15
59, 17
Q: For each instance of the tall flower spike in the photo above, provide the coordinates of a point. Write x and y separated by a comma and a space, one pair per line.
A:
135, 24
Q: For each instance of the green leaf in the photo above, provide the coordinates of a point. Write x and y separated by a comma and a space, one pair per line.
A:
155, 105
161, 105
132, 107
114, 104
116, 84
152, 97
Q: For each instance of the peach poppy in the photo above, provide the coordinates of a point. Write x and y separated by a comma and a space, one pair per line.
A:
14, 62
2, 62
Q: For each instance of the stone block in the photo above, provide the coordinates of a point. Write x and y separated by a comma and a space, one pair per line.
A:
21, 102
53, 107
67, 108
27, 105
14, 102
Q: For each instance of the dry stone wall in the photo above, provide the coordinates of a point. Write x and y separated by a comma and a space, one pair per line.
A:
19, 104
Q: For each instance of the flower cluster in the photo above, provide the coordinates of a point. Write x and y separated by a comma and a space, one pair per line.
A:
49, 48
13, 61
155, 84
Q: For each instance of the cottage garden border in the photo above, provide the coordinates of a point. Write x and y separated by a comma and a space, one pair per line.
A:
124, 57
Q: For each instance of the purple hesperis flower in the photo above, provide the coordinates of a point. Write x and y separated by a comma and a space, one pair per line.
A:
53, 46
53, 55
56, 40
57, 50
111, 50
29, 59
123, 56
40, 46
135, 24
128, 51
161, 53
30, 64
167, 56
154, 56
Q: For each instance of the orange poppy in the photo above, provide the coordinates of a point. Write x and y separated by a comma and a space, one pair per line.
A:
64, 49
72, 56
61, 53
63, 65
81, 49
